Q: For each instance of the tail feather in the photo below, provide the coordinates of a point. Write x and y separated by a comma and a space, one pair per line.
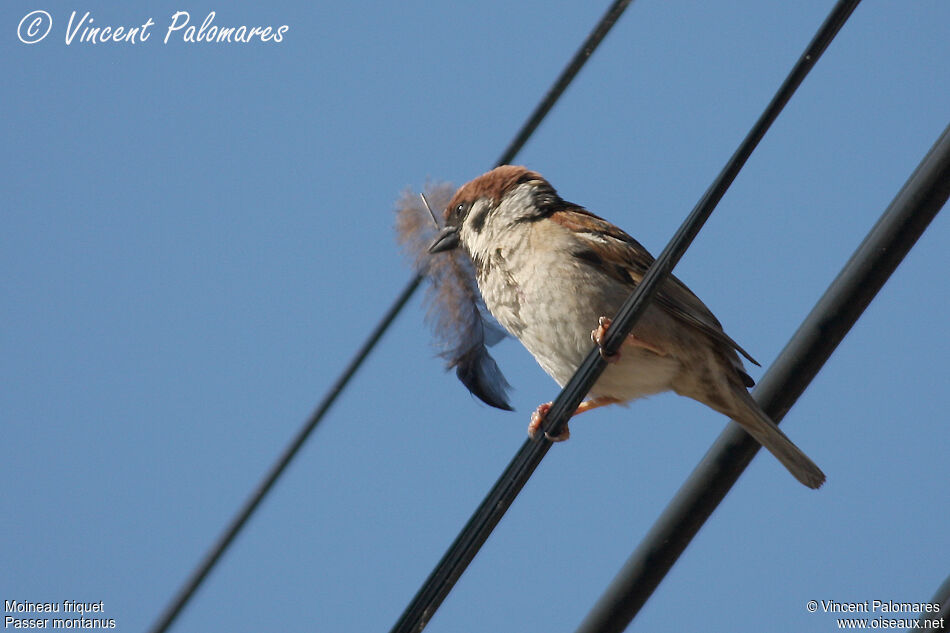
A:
755, 421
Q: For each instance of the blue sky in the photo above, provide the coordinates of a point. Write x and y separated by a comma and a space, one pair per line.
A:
197, 237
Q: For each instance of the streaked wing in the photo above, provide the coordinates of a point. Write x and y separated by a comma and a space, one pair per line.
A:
620, 256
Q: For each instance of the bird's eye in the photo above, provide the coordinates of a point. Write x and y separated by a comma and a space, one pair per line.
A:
460, 211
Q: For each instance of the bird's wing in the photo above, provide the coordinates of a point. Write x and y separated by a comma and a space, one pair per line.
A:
621, 257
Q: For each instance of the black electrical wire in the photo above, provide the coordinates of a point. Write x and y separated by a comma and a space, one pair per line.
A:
566, 403
885, 246
193, 582
253, 501
939, 620
437, 586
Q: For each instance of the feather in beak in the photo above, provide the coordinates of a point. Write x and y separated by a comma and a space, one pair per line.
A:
455, 310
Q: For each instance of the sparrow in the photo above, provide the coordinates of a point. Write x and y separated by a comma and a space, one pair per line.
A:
551, 273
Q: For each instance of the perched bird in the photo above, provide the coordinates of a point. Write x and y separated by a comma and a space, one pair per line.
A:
552, 273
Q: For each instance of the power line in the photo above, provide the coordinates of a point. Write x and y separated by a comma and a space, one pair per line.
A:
253, 501
885, 246
437, 586
210, 559
941, 597
566, 403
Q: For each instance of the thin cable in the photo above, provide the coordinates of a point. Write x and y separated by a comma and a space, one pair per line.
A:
631, 310
193, 582
885, 246
939, 621
437, 586
211, 558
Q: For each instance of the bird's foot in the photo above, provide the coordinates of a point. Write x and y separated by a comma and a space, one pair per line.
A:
537, 419
597, 335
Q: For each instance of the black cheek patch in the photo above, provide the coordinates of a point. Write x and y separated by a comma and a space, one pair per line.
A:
477, 220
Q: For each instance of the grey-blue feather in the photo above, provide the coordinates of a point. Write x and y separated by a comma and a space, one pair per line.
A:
455, 310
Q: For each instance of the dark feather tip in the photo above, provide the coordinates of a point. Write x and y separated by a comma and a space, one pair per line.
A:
746, 379
478, 371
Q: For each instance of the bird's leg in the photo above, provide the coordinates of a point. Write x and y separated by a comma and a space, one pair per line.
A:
594, 403
537, 418
598, 334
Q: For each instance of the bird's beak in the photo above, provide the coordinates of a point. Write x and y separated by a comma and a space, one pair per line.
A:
446, 240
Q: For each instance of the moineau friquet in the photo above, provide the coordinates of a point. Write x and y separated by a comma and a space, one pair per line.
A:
551, 273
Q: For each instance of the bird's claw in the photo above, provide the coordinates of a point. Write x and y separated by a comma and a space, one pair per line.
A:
597, 336
537, 419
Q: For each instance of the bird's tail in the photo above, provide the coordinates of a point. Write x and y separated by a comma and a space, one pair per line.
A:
760, 426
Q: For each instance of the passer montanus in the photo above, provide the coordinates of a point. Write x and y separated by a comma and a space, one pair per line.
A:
552, 273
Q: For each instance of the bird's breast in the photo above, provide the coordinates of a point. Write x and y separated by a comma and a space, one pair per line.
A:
551, 302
